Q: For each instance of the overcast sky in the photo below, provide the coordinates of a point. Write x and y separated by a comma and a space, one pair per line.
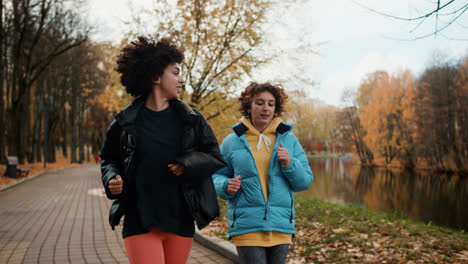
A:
351, 40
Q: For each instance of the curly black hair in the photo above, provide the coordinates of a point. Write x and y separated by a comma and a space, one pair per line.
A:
144, 60
254, 88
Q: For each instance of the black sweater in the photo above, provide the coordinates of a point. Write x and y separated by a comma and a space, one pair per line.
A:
159, 197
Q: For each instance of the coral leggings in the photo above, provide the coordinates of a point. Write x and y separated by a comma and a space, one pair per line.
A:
157, 247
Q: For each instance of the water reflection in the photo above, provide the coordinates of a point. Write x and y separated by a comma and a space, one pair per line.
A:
421, 195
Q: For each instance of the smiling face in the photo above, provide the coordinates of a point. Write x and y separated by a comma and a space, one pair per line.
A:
171, 82
262, 110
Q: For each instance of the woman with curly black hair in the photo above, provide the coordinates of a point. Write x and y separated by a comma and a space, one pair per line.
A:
158, 157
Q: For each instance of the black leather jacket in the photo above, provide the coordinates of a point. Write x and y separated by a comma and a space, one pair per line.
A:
200, 157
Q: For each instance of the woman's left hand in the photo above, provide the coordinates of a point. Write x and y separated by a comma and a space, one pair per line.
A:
283, 156
176, 168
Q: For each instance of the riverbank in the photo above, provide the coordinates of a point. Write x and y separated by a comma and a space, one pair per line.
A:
332, 233
345, 156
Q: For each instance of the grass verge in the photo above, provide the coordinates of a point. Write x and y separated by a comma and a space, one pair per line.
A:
332, 233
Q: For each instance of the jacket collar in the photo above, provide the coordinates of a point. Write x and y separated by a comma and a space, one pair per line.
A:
128, 115
240, 128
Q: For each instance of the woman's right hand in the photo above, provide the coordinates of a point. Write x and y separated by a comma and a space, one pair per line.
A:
234, 185
116, 185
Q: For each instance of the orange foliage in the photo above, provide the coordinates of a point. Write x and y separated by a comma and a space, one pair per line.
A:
389, 116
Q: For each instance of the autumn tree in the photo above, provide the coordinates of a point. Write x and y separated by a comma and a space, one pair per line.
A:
411, 119
105, 100
62, 104
313, 120
437, 116
350, 128
388, 117
30, 30
379, 120
218, 37
461, 106
366, 87
407, 116
300, 112
2, 94
228, 107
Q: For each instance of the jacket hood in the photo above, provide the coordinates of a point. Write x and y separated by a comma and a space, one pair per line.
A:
129, 114
271, 128
240, 128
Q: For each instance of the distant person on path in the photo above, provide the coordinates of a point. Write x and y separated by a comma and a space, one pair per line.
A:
158, 157
265, 165
97, 158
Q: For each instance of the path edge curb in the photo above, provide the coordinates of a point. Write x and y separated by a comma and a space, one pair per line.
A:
224, 248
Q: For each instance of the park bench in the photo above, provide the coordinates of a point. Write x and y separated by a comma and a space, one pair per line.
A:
13, 169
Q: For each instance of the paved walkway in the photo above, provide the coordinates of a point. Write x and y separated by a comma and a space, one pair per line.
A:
61, 217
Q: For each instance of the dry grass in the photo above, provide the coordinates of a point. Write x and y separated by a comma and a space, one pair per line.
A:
36, 168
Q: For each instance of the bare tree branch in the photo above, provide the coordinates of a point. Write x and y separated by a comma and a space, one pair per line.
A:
404, 18
423, 18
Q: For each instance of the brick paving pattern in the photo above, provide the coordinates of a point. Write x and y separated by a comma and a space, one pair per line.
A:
61, 217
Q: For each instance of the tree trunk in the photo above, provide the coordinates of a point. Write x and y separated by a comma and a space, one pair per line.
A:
38, 128
88, 158
51, 138
63, 114
38, 145
408, 161
64, 136
14, 130
2, 101
81, 142
36, 137
73, 128
17, 105
25, 142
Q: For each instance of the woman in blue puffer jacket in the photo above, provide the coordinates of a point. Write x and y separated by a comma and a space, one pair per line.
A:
265, 165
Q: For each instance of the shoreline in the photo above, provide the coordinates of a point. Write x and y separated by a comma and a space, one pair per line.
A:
379, 164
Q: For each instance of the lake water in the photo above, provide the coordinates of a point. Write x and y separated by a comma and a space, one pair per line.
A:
440, 199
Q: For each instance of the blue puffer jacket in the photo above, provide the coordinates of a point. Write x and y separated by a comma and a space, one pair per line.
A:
247, 209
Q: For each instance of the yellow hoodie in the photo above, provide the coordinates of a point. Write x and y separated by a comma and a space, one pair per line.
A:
261, 145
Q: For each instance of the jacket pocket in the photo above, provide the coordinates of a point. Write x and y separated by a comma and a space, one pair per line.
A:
234, 206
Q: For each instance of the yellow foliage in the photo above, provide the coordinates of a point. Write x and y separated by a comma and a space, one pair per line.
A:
218, 37
313, 120
221, 114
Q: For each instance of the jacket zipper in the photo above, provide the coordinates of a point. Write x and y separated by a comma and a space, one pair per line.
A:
265, 217
291, 208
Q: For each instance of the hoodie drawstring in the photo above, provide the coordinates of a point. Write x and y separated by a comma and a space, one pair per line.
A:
266, 140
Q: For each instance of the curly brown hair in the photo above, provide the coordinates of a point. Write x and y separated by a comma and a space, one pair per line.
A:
144, 60
254, 89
